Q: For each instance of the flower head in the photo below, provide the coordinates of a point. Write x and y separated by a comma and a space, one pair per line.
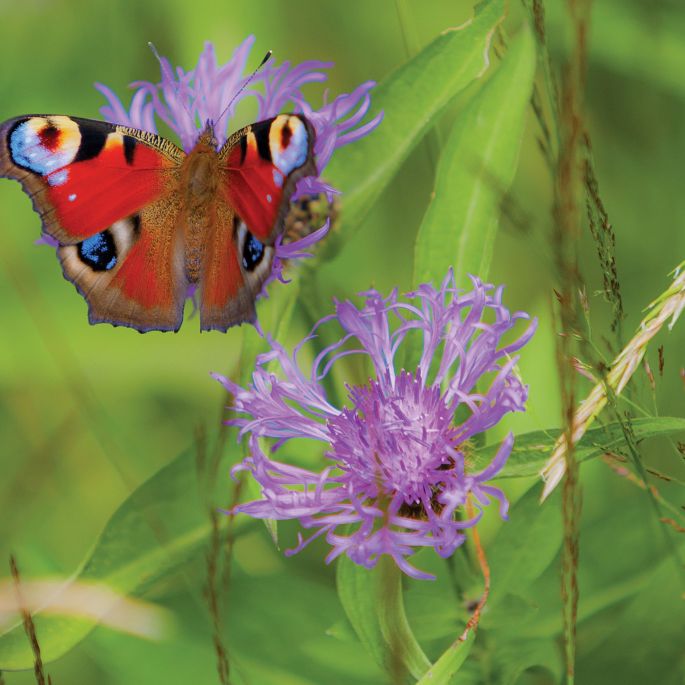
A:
397, 473
186, 100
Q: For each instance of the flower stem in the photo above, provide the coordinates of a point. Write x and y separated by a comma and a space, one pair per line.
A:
442, 671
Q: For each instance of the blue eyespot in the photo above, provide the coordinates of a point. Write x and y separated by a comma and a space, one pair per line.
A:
99, 251
253, 251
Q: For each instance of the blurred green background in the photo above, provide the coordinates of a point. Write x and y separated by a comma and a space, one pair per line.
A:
87, 413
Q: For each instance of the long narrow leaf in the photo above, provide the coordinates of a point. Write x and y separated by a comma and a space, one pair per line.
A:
531, 450
411, 98
475, 171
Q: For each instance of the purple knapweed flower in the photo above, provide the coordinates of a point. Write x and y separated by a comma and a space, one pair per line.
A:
398, 468
186, 100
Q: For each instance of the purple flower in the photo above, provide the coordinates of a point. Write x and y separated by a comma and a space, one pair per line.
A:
397, 472
186, 100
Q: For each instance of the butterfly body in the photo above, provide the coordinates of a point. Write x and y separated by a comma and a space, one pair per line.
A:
199, 178
138, 221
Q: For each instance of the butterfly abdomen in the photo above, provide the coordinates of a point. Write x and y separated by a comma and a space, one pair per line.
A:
200, 180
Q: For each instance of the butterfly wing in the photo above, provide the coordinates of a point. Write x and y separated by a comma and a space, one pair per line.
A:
260, 166
107, 194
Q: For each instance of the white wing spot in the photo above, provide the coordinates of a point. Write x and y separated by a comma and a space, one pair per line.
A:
58, 178
268, 198
72, 197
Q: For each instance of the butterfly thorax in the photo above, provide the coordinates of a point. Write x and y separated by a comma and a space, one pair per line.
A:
200, 178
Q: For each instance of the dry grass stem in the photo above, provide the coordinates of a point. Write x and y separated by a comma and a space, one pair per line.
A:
665, 309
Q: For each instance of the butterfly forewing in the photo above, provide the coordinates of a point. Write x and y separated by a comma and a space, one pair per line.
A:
264, 161
84, 175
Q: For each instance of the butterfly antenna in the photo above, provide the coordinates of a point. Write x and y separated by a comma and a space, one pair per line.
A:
265, 59
166, 71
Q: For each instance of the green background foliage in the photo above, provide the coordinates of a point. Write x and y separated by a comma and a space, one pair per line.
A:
93, 419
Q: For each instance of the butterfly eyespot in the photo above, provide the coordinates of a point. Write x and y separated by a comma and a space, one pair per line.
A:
99, 251
43, 144
288, 143
253, 252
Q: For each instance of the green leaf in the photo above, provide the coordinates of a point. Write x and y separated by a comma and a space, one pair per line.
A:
372, 599
507, 659
411, 98
476, 169
159, 527
532, 450
612, 568
512, 657
524, 547
450, 662
652, 624
282, 621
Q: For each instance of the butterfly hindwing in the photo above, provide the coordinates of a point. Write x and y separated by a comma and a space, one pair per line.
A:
132, 274
260, 166
235, 268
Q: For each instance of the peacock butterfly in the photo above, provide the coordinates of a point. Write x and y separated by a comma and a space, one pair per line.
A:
138, 221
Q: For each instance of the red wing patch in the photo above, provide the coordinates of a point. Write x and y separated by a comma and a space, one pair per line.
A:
141, 277
263, 162
95, 193
234, 270
222, 277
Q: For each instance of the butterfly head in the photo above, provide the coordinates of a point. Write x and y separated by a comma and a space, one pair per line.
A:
208, 137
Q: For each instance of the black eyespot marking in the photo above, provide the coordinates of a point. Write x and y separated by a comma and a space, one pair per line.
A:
243, 149
253, 252
93, 139
261, 134
129, 149
98, 252
16, 145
